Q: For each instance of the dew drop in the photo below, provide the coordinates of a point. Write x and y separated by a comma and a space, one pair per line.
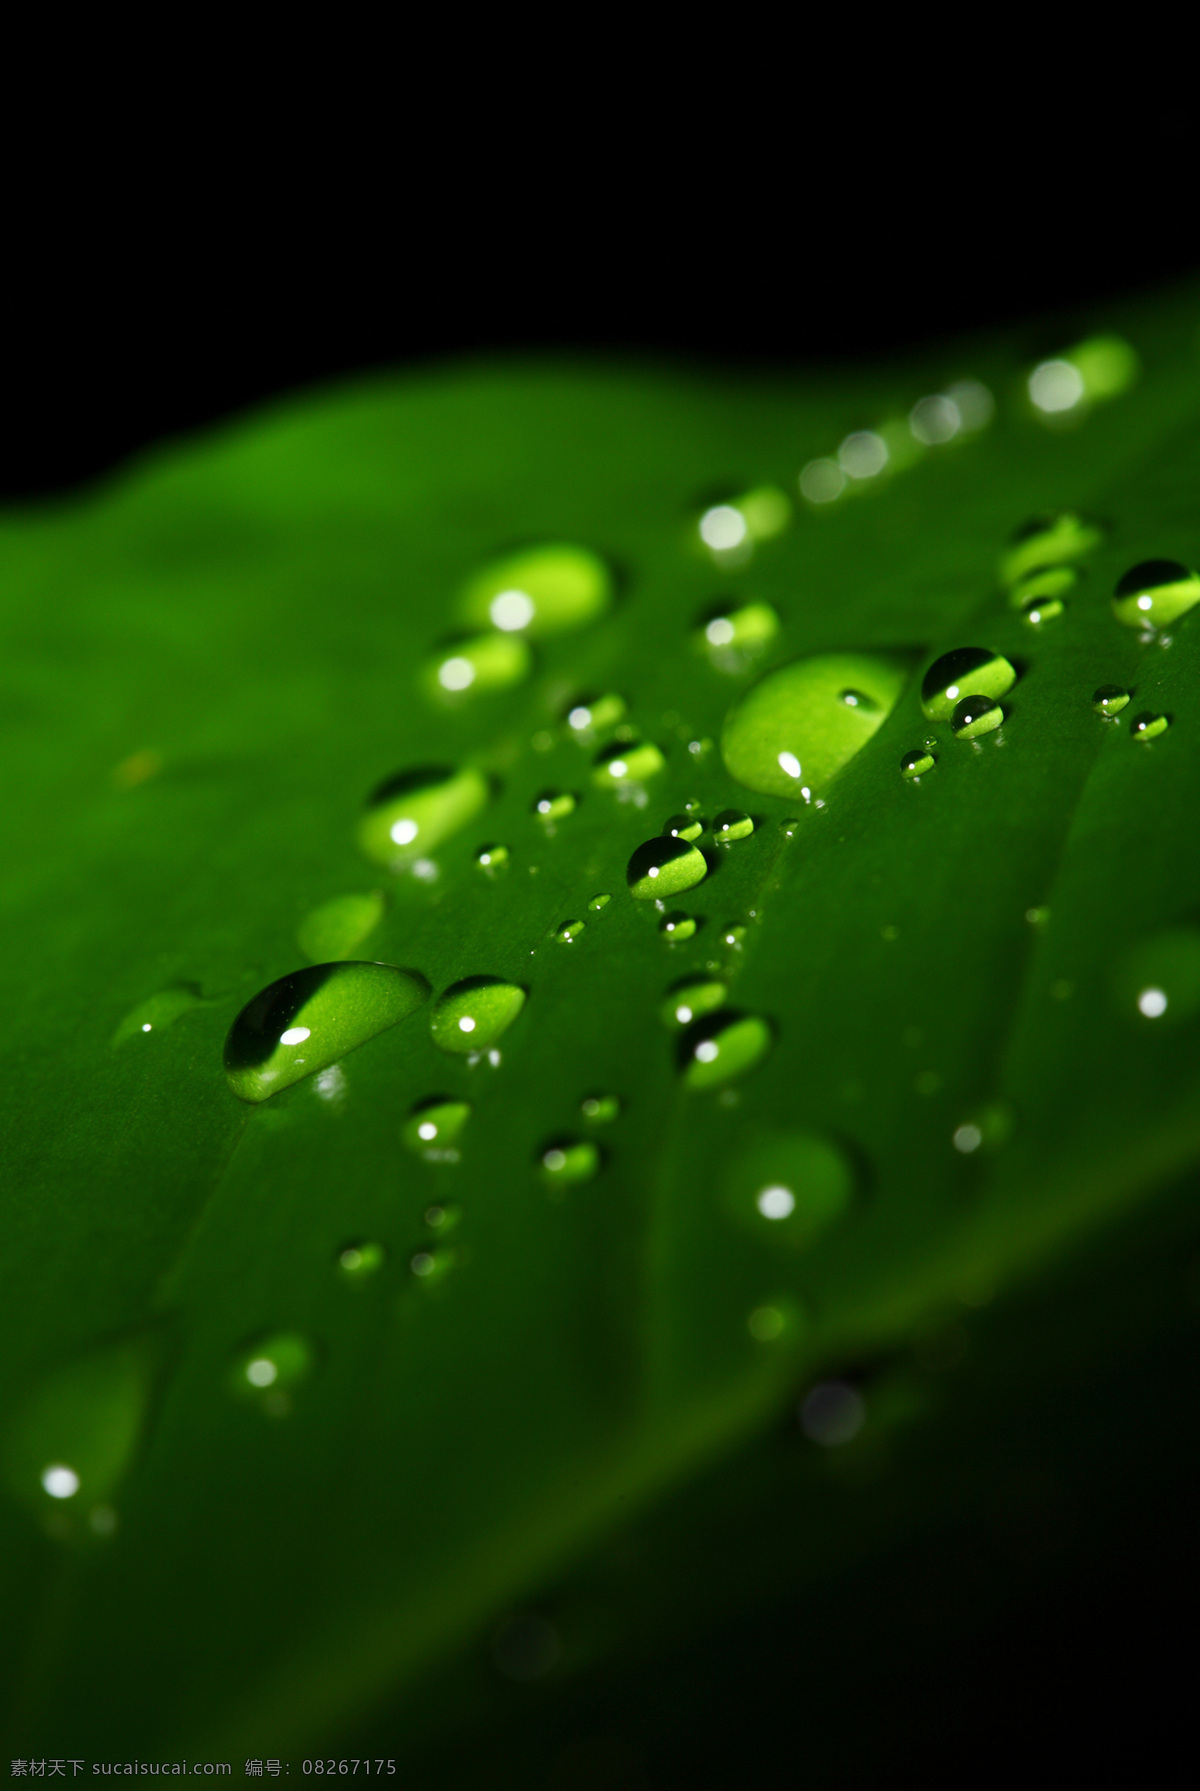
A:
590, 716
916, 764
1048, 541
732, 639
788, 828
600, 1109
1149, 727
734, 936
158, 1012
492, 859
718, 1049
1039, 588
358, 1262
1109, 700
569, 932
1158, 979
432, 1266
731, 824
987, 1129
975, 715
468, 668
794, 729
268, 1371
625, 764
432, 1129
474, 1013
684, 827
1155, 593
567, 1161
338, 927
665, 867
336, 1007
677, 927
412, 813
598, 902
966, 672
789, 1187
549, 589
690, 1000
76, 1431
554, 805
1042, 610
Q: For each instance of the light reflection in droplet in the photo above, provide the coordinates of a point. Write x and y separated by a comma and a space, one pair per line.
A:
295, 1035
403, 832
456, 673
60, 1481
719, 632
723, 527
935, 419
776, 1203
789, 763
968, 1138
511, 610
821, 481
261, 1371
1152, 1003
863, 454
1056, 386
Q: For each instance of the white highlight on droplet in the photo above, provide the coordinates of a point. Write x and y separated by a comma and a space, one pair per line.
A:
404, 832
967, 1139
822, 481
934, 420
146, 1026
262, 1372
707, 1050
456, 673
60, 1481
863, 454
618, 768
580, 718
1145, 603
723, 527
295, 1035
466, 1024
719, 632
1055, 386
776, 1203
427, 1130
555, 1159
790, 763
952, 693
512, 610
1152, 1003
683, 1015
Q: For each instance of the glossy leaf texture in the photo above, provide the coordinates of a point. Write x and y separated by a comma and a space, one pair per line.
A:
955, 1027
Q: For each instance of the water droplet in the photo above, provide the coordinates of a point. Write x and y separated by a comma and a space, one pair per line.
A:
789, 1187
1109, 700
474, 1013
987, 1129
338, 927
75, 1434
433, 1127
600, 1109
269, 1370
723, 529
934, 420
569, 932
1056, 386
975, 715
734, 936
493, 859
684, 827
443, 1219
863, 455
627, 764
1037, 917
467, 668
1042, 610
677, 927
311, 1019
554, 805
598, 902
1149, 727
1037, 589
358, 1262
412, 813
732, 639
916, 764
432, 1266
821, 481
966, 672
158, 1012
788, 827
1108, 365
567, 1161
665, 867
1155, 593
717, 1049
589, 716
731, 824
1158, 979
832, 1414
545, 590
1047, 541
691, 1000
794, 729
766, 1323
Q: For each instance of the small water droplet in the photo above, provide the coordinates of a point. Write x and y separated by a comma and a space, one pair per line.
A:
158, 1012
338, 927
684, 827
965, 672
987, 1129
1155, 593
719, 1048
863, 455
975, 715
411, 814
690, 1000
309, 1020
794, 729
627, 764
542, 741
567, 1160
433, 1128
821, 481
1109, 700
789, 1187
358, 1262
1048, 584
1149, 727
1042, 610
554, 805
569, 932
600, 1109
916, 764
432, 1266
473, 1014
543, 590
665, 867
732, 639
734, 936
268, 1371
493, 859
788, 827
677, 927
468, 668
1048, 541
731, 824
589, 716
598, 902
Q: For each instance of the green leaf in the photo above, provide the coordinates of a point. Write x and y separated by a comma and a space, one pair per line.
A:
583, 1288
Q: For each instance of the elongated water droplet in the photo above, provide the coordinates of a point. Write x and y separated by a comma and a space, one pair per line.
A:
1149, 727
793, 731
554, 805
625, 764
338, 927
311, 1019
1043, 610
684, 827
542, 590
677, 927
788, 1187
966, 672
732, 639
1040, 587
468, 668
74, 1435
1109, 700
1155, 593
690, 1000
359, 1262
1049, 540
589, 716
731, 824
270, 1370
492, 859
473, 1014
598, 902
600, 1109
569, 932
432, 1129
975, 715
720, 1048
567, 1160
158, 1012
916, 764
414, 812
665, 867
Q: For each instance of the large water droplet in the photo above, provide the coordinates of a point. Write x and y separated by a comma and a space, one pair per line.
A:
732, 824
794, 730
733, 639
311, 1019
975, 715
665, 867
433, 1128
1040, 588
414, 812
473, 1014
789, 1187
690, 1000
916, 764
567, 1160
359, 1262
338, 927
1049, 541
1158, 979
158, 1012
627, 763
466, 668
718, 1049
544, 590
684, 827
1109, 700
74, 1435
268, 1371
1154, 593
966, 672
1149, 727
